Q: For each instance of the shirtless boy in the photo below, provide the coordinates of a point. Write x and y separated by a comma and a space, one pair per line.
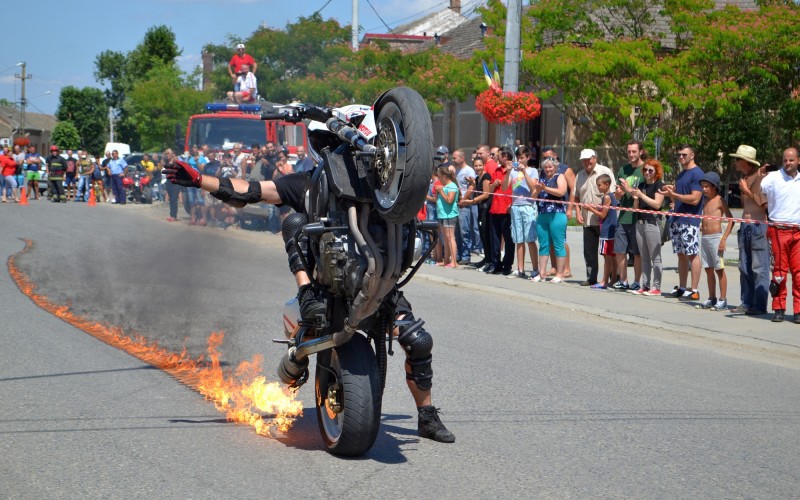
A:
712, 243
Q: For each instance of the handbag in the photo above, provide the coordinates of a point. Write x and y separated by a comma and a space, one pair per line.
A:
663, 226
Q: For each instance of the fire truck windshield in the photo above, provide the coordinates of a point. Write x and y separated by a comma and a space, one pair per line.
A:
222, 133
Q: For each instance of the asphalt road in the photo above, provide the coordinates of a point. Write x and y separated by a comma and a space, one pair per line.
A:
544, 402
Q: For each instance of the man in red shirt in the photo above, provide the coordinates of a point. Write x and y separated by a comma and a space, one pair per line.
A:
235, 66
489, 163
500, 219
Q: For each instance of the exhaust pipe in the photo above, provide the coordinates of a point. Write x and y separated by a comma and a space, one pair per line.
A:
292, 371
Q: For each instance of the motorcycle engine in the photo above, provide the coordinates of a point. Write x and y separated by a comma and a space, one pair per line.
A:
341, 268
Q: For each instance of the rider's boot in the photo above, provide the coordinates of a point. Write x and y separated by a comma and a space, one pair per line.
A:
311, 307
430, 425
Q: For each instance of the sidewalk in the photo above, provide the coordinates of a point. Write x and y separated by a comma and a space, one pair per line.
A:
751, 333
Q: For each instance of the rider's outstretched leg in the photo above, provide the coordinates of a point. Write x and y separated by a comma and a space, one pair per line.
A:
417, 344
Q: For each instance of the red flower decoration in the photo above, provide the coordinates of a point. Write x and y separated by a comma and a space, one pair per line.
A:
21, 141
508, 107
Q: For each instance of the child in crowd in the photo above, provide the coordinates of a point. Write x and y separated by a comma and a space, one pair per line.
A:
608, 225
447, 213
712, 242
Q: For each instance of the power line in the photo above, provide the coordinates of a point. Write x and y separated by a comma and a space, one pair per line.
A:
406, 18
384, 22
320, 9
8, 68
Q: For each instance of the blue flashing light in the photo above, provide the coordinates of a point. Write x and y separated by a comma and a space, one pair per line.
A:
221, 106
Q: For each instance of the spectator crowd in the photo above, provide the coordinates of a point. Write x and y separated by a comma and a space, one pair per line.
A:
506, 204
506, 213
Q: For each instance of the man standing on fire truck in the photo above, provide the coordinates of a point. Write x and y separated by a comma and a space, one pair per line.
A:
290, 190
235, 65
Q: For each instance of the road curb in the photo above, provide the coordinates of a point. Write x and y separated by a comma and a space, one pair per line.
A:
787, 355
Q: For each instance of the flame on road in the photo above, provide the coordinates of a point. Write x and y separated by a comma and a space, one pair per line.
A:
242, 394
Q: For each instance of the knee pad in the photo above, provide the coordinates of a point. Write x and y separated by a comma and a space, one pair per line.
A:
290, 228
418, 344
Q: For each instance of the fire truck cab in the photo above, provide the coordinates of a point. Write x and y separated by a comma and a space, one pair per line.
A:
225, 124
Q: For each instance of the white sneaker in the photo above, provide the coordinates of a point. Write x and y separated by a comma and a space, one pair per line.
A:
517, 274
721, 305
708, 304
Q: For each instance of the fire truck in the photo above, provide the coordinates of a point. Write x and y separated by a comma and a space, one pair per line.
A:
223, 125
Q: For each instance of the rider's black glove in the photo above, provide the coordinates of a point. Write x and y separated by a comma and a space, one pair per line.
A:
183, 174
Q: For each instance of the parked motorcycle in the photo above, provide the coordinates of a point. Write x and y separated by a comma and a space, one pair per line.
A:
137, 186
374, 167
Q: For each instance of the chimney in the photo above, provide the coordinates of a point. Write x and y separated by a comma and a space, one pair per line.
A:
208, 68
455, 6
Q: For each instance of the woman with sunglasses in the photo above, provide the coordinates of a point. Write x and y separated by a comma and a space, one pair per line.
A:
648, 233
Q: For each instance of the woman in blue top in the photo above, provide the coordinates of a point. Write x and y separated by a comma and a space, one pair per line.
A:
447, 213
552, 220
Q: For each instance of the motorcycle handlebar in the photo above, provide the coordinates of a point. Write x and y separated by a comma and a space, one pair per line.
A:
295, 113
349, 134
273, 116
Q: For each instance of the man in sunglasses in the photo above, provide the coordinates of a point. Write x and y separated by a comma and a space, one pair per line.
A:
687, 196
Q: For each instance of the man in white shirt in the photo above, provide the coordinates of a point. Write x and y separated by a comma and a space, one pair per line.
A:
246, 83
585, 190
782, 190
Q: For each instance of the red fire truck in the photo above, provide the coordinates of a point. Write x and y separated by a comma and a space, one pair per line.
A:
224, 124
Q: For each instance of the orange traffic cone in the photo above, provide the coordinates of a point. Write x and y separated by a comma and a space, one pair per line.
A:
23, 198
92, 199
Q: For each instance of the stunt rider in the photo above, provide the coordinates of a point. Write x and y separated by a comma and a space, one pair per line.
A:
290, 190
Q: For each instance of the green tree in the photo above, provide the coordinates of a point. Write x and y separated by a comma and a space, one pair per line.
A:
283, 55
155, 105
86, 109
742, 78
6, 103
66, 136
120, 72
311, 60
678, 69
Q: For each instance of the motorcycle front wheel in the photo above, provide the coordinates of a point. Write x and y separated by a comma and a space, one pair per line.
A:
405, 163
348, 399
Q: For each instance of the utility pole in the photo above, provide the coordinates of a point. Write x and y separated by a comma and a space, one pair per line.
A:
354, 35
23, 102
511, 67
111, 124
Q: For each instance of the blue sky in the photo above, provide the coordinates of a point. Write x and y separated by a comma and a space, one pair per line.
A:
59, 39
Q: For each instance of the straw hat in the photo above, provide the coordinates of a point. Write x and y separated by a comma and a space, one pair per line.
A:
746, 153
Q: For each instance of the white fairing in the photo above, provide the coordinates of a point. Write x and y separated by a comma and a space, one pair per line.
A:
351, 114
291, 318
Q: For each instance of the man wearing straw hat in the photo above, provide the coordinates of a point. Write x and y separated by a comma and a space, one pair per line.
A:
753, 244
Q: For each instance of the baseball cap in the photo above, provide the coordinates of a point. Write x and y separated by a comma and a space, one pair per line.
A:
443, 150
239, 45
587, 153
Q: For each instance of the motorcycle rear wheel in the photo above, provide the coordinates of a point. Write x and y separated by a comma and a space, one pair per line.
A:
348, 399
405, 138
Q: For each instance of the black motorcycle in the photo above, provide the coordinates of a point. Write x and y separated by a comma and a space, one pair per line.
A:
374, 168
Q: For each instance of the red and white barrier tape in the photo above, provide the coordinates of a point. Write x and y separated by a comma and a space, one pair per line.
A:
653, 212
